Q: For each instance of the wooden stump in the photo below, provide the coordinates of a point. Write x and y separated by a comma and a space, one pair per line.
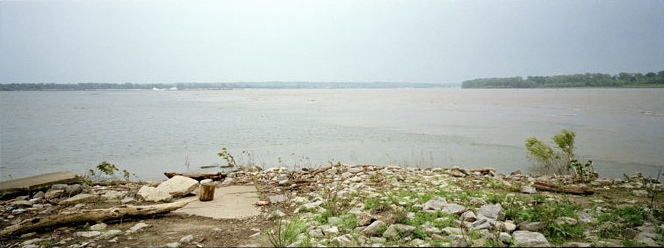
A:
206, 192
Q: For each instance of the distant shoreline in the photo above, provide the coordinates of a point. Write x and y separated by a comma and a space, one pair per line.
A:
217, 86
587, 80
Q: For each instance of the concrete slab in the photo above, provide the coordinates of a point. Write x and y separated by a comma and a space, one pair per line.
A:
37, 182
231, 202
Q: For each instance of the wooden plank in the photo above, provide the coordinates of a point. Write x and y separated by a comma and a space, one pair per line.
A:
39, 182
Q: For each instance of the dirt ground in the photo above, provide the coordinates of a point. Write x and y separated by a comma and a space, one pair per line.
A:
161, 230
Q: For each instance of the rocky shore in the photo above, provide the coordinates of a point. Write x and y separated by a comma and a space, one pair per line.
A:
364, 205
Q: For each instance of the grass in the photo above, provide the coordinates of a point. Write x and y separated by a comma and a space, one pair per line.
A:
286, 233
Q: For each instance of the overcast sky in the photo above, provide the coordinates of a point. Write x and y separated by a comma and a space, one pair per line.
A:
364, 41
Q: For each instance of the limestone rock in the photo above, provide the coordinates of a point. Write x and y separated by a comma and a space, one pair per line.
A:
187, 239
343, 241
528, 190
148, 193
435, 204
52, 194
89, 234
277, 198
453, 208
316, 233
395, 231
21, 204
566, 220
504, 237
178, 186
332, 231
530, 239
114, 196
98, 227
80, 198
491, 211
507, 226
468, 216
137, 227
577, 244
375, 228
111, 233
531, 226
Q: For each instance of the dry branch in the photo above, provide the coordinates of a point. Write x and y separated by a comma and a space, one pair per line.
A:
94, 215
197, 175
569, 189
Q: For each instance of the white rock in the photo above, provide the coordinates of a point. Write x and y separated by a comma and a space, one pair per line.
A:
114, 195
343, 241
504, 237
453, 208
468, 216
566, 220
435, 204
528, 190
316, 233
530, 239
80, 198
98, 227
507, 226
173, 245
111, 233
52, 194
137, 227
178, 185
490, 211
451, 230
373, 228
332, 231
89, 234
148, 193
187, 239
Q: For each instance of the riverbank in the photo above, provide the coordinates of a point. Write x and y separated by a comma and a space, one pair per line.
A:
366, 205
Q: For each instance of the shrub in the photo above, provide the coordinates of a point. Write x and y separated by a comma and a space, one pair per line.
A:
563, 161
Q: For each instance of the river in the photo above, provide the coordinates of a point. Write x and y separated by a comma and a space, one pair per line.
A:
151, 132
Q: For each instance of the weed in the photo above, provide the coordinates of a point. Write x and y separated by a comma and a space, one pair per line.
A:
562, 161
420, 233
633, 215
107, 168
629, 243
228, 157
286, 233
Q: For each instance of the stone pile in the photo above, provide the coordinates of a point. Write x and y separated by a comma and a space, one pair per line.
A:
472, 222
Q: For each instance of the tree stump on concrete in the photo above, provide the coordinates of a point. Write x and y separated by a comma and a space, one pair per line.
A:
206, 191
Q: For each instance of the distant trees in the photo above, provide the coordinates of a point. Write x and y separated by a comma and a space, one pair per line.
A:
623, 79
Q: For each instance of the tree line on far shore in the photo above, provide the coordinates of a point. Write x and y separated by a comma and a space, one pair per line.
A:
623, 79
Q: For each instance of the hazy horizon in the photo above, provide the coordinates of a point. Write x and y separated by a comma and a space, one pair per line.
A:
254, 41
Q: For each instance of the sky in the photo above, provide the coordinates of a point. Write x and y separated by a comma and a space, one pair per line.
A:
168, 41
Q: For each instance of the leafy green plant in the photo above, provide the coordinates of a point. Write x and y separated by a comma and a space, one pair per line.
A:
104, 169
107, 168
633, 215
286, 233
562, 161
228, 157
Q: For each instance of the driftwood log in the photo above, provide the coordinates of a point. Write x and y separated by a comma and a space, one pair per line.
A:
94, 215
569, 189
197, 175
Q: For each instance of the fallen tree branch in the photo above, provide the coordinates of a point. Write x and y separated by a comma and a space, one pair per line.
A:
94, 215
569, 189
197, 175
